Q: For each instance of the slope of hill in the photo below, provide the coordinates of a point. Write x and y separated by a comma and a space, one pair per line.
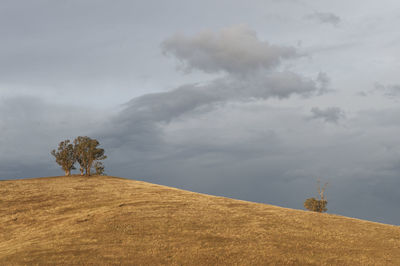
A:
107, 220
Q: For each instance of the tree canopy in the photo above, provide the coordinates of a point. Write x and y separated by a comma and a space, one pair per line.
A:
87, 152
84, 151
65, 156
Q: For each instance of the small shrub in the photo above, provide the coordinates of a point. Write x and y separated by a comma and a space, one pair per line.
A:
313, 204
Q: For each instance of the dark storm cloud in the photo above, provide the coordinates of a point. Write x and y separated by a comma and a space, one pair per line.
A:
329, 114
324, 17
244, 150
31, 128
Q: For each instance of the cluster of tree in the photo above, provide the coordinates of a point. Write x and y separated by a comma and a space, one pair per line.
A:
84, 151
317, 205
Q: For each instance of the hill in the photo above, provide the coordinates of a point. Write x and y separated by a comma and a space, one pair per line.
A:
108, 220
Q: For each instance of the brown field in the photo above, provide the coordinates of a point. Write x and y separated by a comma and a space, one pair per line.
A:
106, 220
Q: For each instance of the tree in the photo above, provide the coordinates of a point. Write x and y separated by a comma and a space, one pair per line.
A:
65, 156
99, 168
317, 205
87, 152
79, 160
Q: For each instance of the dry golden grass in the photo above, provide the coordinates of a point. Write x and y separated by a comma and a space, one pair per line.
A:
106, 220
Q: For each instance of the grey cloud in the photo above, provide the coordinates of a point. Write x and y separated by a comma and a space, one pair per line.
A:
390, 91
31, 128
246, 145
383, 117
239, 149
324, 17
329, 114
152, 132
362, 93
278, 84
260, 80
235, 50
139, 121
324, 81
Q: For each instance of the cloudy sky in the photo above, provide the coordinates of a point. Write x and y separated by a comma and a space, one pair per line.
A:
253, 100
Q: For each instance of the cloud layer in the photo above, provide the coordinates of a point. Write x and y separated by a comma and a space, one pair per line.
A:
31, 128
252, 151
224, 138
260, 78
245, 130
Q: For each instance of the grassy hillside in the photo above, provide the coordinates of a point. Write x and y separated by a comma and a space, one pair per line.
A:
107, 220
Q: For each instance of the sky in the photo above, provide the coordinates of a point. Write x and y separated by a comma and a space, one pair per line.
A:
253, 100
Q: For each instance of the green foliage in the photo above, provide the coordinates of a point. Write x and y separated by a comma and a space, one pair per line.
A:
313, 204
87, 152
65, 156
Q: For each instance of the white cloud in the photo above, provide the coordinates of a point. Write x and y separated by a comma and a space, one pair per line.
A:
236, 50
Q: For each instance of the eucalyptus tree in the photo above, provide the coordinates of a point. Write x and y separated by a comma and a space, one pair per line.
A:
65, 156
87, 153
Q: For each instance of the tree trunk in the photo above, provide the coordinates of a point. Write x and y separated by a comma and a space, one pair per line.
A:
89, 167
67, 172
82, 170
